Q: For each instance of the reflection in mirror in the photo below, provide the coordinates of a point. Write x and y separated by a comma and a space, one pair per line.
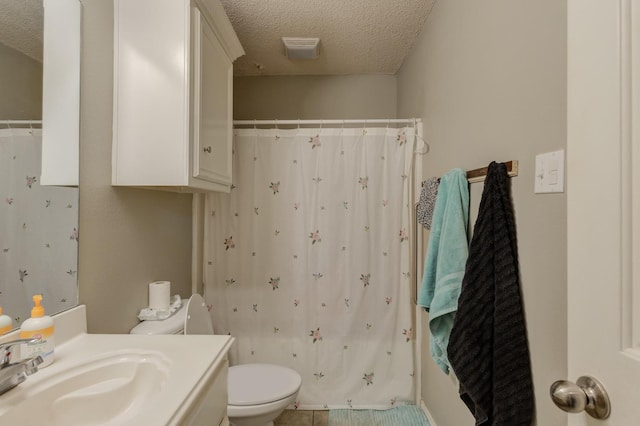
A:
38, 224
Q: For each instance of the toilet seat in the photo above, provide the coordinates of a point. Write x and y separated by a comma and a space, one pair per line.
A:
253, 384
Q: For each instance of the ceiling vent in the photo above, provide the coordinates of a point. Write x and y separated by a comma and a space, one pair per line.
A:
301, 48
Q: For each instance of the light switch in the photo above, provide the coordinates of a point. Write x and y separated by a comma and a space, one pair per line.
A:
549, 175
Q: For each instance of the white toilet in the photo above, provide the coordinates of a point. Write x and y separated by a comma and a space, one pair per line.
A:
258, 393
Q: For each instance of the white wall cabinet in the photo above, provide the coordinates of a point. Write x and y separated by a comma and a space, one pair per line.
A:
173, 113
61, 93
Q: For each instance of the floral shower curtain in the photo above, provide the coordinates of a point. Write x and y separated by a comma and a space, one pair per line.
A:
38, 230
307, 261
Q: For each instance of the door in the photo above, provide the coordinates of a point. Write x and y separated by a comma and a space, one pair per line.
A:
603, 202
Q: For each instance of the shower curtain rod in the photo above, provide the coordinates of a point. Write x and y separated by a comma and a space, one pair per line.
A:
323, 122
10, 122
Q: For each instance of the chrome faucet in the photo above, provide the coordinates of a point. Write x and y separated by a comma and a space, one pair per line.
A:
12, 374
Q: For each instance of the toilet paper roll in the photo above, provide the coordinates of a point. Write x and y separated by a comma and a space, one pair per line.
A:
159, 294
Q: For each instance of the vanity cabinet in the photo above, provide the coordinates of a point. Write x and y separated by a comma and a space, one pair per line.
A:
211, 407
173, 114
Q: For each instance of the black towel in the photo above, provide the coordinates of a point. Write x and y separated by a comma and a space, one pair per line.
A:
488, 348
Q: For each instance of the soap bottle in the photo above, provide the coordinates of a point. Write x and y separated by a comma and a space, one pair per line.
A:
6, 325
39, 326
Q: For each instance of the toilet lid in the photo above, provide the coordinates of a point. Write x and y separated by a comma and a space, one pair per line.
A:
197, 320
252, 384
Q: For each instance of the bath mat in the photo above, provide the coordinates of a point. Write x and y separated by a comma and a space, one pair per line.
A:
409, 415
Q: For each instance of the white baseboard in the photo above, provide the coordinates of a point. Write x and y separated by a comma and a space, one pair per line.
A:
427, 413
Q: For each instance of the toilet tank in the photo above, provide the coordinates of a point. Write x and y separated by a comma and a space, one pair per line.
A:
191, 318
172, 325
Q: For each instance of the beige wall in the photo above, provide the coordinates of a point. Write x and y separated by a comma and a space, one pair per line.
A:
489, 80
20, 86
128, 237
315, 97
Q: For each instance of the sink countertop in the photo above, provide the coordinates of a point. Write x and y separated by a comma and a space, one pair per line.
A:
191, 361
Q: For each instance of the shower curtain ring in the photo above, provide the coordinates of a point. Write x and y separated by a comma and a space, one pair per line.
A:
425, 144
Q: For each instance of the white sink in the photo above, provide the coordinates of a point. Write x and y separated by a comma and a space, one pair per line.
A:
110, 389
118, 379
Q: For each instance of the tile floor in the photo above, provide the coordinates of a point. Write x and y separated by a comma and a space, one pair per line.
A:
302, 418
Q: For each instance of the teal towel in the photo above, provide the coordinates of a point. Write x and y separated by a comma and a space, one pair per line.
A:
447, 253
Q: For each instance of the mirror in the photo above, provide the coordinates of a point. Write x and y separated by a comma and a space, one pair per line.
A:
38, 223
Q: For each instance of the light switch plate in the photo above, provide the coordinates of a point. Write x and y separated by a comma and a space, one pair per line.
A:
549, 177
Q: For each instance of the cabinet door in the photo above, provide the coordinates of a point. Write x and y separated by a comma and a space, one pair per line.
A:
61, 93
212, 111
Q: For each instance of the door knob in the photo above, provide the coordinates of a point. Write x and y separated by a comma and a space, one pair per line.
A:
587, 394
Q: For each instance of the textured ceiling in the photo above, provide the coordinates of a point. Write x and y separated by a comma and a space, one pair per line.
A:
21, 26
357, 36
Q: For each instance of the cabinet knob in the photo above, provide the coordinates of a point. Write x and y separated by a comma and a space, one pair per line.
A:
207, 150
